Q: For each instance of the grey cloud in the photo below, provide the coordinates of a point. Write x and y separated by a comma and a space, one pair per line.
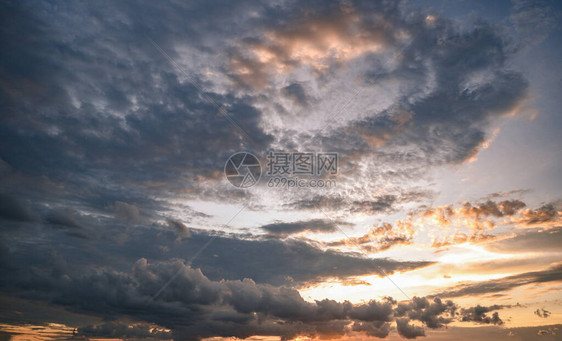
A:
478, 314
509, 207
126, 212
379, 238
276, 261
492, 208
64, 218
194, 307
541, 240
545, 213
373, 311
192, 303
230, 256
315, 225
407, 330
102, 128
380, 204
551, 274
430, 313
534, 20
296, 93
124, 331
378, 329
180, 228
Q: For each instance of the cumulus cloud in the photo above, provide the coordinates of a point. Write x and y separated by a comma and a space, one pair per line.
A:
229, 256
434, 313
296, 93
544, 215
192, 306
276, 261
127, 212
478, 215
407, 330
67, 219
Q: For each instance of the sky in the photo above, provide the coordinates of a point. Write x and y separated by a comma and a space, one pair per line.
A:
284, 170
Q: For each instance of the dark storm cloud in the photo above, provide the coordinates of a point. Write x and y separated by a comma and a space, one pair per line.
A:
276, 262
194, 307
117, 244
271, 260
97, 281
492, 208
126, 212
68, 220
378, 328
552, 274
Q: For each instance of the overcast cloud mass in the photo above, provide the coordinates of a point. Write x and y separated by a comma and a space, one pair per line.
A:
442, 218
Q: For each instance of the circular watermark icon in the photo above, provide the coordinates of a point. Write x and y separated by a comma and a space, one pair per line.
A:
243, 170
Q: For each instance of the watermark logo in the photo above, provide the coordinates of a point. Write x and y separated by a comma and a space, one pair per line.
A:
297, 169
283, 163
284, 169
243, 170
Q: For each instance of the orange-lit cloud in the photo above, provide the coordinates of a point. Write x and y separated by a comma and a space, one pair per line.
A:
317, 42
48, 331
381, 238
472, 223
